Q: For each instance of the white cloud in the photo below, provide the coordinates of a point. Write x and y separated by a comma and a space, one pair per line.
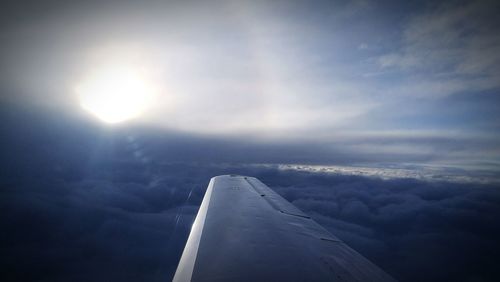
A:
426, 173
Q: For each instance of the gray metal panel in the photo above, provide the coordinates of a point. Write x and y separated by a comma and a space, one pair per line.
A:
244, 231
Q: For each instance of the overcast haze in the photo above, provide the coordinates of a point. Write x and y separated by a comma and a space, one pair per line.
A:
416, 80
381, 119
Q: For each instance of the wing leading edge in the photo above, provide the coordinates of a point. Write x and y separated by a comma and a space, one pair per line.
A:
244, 231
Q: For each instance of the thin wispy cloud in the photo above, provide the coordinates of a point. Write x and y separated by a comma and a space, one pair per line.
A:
450, 48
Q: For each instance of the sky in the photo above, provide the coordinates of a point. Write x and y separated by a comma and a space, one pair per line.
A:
380, 119
415, 82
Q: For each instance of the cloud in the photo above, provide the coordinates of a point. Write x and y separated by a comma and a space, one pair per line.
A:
83, 203
411, 228
84, 231
111, 227
451, 48
30, 136
224, 68
408, 171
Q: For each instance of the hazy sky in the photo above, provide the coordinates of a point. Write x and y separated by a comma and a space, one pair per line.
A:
412, 82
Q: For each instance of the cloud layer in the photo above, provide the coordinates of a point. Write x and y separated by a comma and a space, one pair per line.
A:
127, 224
80, 204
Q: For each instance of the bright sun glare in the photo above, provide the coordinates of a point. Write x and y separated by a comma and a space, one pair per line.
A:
115, 93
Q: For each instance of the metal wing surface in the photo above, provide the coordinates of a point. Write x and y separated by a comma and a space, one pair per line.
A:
244, 231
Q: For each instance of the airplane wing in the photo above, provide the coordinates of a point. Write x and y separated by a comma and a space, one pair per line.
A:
244, 231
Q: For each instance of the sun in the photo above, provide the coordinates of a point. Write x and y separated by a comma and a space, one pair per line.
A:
115, 93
